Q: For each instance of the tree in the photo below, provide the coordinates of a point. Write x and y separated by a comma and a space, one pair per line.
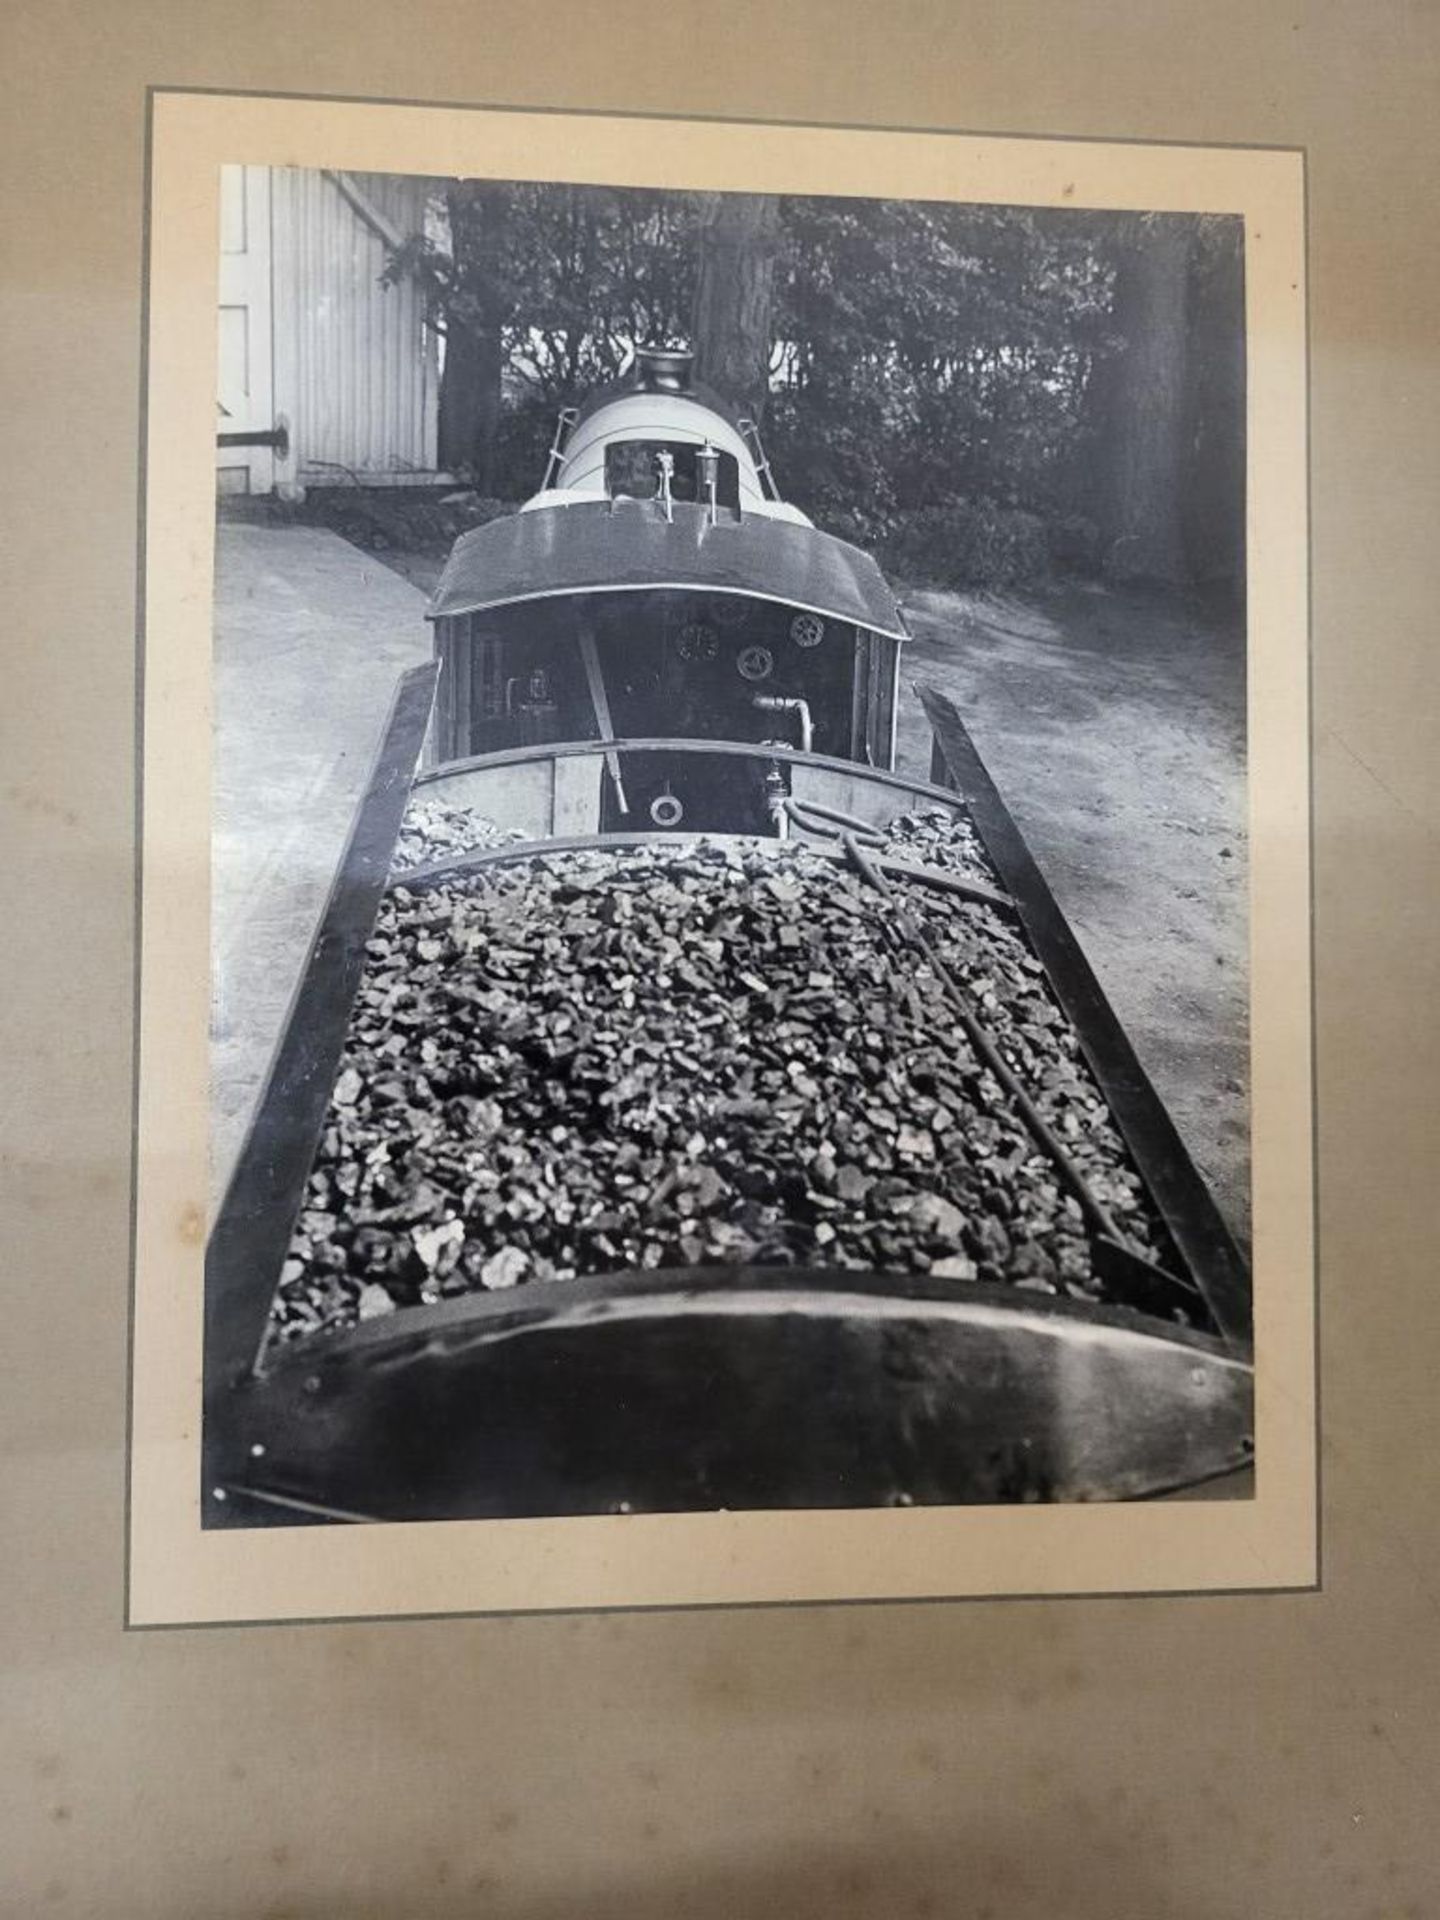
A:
478, 308
1138, 401
540, 292
731, 327
1214, 499
931, 353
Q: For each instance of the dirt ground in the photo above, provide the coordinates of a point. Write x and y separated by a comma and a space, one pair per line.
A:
309, 640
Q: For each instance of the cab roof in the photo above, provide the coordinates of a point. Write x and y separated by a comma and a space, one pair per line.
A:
626, 545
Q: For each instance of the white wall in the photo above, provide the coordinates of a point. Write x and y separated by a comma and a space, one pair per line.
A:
349, 364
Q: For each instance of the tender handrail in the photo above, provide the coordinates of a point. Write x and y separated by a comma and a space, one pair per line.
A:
741, 749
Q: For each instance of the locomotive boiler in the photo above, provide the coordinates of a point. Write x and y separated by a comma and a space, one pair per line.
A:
681, 1108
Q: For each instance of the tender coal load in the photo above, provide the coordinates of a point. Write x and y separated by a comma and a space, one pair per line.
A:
592, 1061
935, 838
433, 831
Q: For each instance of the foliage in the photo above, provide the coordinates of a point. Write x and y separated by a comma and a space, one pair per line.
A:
581, 274
404, 519
968, 544
936, 367
953, 343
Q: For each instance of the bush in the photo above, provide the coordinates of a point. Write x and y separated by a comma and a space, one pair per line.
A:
1075, 545
968, 543
862, 527
522, 440
399, 519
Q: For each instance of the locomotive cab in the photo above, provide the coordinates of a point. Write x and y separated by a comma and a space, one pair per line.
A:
658, 589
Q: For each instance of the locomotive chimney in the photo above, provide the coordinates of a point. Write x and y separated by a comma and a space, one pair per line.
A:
663, 369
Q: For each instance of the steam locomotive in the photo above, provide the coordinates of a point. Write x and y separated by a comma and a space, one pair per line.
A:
658, 652
658, 587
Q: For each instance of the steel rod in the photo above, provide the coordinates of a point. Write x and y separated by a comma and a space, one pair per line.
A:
600, 700
658, 743
903, 928
276, 437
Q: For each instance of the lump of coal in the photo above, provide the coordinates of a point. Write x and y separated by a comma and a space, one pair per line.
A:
434, 830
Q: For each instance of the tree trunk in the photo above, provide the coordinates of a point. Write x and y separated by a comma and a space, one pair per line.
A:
1139, 407
470, 386
460, 387
733, 296
1214, 505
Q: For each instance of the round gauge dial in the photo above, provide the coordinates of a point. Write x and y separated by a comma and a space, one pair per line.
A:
697, 640
755, 663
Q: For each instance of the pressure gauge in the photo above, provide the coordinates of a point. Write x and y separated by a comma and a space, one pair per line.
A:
697, 640
755, 663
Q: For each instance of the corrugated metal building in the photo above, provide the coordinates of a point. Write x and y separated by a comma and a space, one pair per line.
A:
311, 340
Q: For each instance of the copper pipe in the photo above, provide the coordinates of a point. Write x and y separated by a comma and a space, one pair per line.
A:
783, 703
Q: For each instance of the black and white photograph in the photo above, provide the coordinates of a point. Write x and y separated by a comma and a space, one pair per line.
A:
729, 849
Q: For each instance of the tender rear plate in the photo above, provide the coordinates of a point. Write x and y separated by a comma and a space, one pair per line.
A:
751, 1388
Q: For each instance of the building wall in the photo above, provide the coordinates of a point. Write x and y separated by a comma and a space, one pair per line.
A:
355, 369
245, 398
